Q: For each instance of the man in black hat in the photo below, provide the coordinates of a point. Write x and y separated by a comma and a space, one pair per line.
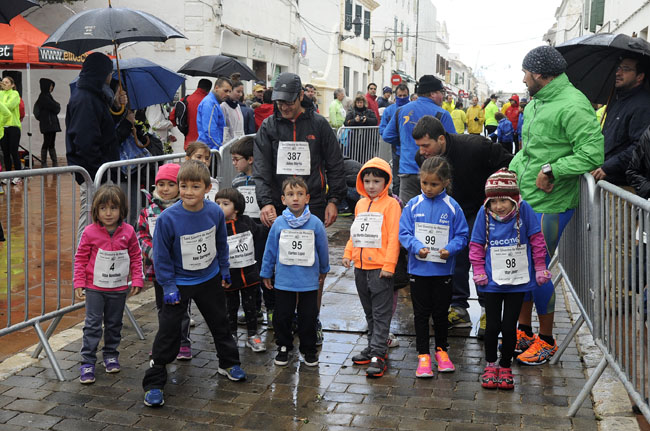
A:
399, 131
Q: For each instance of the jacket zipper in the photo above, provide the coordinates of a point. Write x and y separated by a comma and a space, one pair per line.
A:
524, 148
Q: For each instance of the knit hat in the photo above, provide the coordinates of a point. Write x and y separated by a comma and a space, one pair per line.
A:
428, 84
168, 171
545, 60
502, 184
387, 90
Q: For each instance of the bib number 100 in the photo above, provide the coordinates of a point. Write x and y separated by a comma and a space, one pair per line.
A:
293, 155
201, 248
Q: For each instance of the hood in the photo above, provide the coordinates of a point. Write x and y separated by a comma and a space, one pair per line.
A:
94, 71
375, 162
45, 85
516, 99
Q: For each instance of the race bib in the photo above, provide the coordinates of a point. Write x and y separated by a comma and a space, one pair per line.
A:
242, 250
111, 269
366, 230
199, 250
294, 158
510, 264
213, 191
296, 247
252, 208
151, 221
434, 237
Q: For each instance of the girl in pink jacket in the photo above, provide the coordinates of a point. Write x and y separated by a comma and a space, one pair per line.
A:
108, 252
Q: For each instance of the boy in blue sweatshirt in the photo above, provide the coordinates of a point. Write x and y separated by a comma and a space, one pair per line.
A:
505, 133
191, 258
297, 254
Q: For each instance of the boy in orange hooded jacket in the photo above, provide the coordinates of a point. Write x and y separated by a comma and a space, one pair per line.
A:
374, 249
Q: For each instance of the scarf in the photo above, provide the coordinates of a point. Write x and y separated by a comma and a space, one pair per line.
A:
296, 222
164, 204
506, 218
232, 103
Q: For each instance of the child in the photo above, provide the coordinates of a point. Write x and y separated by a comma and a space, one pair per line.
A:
505, 268
244, 237
108, 252
504, 132
191, 257
201, 152
165, 195
374, 248
433, 229
297, 254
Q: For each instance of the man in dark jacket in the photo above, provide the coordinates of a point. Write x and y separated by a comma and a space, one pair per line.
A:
627, 118
48, 109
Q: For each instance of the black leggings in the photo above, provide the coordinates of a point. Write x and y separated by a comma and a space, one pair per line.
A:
431, 297
510, 304
248, 300
10, 142
49, 139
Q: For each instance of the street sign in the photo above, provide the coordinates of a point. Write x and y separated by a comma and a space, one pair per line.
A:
303, 47
396, 79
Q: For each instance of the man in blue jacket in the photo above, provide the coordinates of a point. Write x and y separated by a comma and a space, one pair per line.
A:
400, 131
401, 99
210, 121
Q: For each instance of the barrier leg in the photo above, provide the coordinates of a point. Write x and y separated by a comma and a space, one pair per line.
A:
48, 334
567, 340
586, 390
134, 322
49, 352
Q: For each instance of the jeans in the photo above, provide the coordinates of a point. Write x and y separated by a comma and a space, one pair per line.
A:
105, 308
376, 296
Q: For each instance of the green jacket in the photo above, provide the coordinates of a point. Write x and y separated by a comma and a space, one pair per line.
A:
490, 110
337, 113
560, 128
11, 100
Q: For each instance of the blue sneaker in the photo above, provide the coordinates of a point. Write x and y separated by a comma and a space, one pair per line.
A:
154, 398
234, 373
87, 374
112, 365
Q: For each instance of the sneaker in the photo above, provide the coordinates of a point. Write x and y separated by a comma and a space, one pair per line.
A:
311, 359
319, 333
184, 353
524, 341
87, 374
459, 318
255, 343
16, 181
282, 358
424, 366
490, 378
539, 353
377, 367
234, 373
241, 319
481, 325
154, 398
392, 341
363, 357
112, 365
444, 363
506, 379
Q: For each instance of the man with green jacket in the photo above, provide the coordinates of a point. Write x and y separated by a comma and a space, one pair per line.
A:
561, 140
491, 123
337, 112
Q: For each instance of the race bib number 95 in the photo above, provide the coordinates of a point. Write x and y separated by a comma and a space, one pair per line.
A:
296, 247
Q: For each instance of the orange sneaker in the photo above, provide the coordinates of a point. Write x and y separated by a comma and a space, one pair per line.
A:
524, 341
424, 366
444, 363
538, 353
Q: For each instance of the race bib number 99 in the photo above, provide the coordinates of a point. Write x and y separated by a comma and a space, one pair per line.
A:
199, 250
434, 237
294, 158
111, 268
510, 265
296, 247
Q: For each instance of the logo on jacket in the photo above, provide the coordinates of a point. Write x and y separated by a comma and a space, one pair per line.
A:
311, 137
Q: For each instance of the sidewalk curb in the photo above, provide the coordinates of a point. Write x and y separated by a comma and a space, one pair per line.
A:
610, 400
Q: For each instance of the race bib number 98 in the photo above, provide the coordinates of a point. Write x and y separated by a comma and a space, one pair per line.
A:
510, 265
199, 250
296, 247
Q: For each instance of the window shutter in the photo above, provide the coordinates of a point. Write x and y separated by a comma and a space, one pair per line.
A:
348, 14
366, 25
358, 13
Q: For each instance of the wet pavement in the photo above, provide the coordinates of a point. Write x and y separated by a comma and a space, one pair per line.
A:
336, 395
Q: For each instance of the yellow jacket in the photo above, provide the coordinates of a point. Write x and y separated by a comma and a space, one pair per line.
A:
460, 120
505, 107
473, 126
449, 106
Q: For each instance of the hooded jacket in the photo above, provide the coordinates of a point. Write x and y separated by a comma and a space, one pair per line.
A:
384, 258
512, 113
49, 108
210, 121
250, 275
11, 99
490, 110
325, 157
561, 129
475, 127
638, 172
262, 112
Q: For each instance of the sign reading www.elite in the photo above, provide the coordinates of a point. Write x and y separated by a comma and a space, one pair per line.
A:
51, 55
6, 52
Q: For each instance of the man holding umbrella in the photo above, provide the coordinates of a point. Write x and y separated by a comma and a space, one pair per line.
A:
210, 121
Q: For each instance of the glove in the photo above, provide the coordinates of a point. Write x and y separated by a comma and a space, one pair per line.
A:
476, 119
480, 279
543, 277
227, 279
172, 296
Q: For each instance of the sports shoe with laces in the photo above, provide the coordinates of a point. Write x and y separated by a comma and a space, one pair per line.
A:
87, 374
444, 363
538, 353
256, 344
363, 357
524, 341
154, 398
506, 379
424, 366
481, 325
459, 318
311, 359
377, 367
282, 358
392, 341
490, 377
184, 353
112, 365
234, 373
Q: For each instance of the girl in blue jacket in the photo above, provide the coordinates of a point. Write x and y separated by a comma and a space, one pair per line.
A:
433, 230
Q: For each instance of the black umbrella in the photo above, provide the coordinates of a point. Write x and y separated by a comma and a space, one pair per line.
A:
217, 66
11, 8
592, 61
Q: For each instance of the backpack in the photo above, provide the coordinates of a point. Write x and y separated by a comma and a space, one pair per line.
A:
180, 114
37, 111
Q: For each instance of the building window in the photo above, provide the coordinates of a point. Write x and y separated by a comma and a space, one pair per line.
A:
355, 84
348, 14
358, 12
366, 25
346, 80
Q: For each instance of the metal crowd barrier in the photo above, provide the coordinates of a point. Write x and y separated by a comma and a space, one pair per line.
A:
363, 143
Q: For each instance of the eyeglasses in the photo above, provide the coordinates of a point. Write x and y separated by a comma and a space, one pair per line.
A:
625, 69
237, 159
285, 103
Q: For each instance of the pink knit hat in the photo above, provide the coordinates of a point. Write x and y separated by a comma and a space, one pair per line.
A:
168, 171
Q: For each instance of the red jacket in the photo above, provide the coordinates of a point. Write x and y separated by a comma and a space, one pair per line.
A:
512, 113
372, 104
193, 101
261, 113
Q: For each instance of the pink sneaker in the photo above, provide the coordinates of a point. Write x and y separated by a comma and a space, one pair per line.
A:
444, 363
424, 366
184, 353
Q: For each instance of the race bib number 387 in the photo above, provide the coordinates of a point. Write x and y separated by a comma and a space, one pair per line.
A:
199, 250
294, 158
296, 247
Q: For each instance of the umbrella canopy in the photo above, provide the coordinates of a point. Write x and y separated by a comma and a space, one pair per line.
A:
10, 9
217, 66
108, 26
146, 82
592, 61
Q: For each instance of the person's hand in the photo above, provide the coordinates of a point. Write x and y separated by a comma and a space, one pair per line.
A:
598, 174
424, 251
172, 138
330, 214
346, 262
121, 98
321, 278
135, 290
268, 215
80, 293
357, 118
130, 117
226, 281
543, 277
444, 254
543, 182
172, 296
480, 279
385, 274
267, 283
363, 118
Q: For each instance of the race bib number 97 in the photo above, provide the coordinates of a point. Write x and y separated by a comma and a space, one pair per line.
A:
366, 230
296, 247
